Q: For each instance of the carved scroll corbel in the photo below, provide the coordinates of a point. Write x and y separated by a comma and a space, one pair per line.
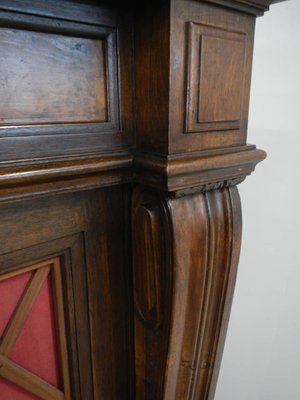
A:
185, 260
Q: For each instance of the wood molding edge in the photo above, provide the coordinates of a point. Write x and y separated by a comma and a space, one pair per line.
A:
198, 173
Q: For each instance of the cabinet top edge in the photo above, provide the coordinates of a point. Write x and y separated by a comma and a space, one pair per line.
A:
254, 7
89, 10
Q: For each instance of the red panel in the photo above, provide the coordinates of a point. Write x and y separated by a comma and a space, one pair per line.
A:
11, 290
36, 347
9, 391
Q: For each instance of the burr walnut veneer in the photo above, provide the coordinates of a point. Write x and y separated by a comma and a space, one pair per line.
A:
122, 140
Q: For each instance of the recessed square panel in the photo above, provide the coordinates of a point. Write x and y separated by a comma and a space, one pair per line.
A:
216, 79
50, 78
65, 85
221, 75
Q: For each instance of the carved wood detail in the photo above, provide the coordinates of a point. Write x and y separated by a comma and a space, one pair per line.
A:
197, 172
195, 264
207, 187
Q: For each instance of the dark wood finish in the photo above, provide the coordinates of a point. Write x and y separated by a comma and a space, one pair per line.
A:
176, 93
257, 7
52, 79
193, 173
67, 87
152, 291
123, 136
82, 230
192, 247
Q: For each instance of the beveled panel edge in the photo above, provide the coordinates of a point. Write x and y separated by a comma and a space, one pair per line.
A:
197, 32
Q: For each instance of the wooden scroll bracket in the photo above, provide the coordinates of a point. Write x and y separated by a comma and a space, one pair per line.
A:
186, 228
185, 251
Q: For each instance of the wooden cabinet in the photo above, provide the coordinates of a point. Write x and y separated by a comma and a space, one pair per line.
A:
122, 139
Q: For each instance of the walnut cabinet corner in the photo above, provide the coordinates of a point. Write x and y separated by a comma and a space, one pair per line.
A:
123, 137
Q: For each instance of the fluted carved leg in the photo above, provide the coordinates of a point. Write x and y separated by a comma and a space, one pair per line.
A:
186, 253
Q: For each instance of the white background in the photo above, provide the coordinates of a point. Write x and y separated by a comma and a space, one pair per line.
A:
262, 352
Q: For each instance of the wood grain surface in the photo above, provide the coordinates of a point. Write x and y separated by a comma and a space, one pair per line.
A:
48, 79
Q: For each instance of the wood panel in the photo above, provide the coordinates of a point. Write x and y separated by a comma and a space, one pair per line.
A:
65, 85
50, 79
216, 79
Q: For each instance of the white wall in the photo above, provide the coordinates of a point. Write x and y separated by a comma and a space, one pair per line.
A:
262, 352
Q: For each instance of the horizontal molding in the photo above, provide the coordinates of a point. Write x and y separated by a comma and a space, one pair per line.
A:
196, 172
27, 182
255, 7
177, 175
89, 13
70, 11
64, 169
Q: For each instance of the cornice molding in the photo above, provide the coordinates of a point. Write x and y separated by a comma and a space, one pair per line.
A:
176, 175
254, 7
179, 176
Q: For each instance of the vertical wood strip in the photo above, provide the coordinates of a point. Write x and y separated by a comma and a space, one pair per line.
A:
61, 329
